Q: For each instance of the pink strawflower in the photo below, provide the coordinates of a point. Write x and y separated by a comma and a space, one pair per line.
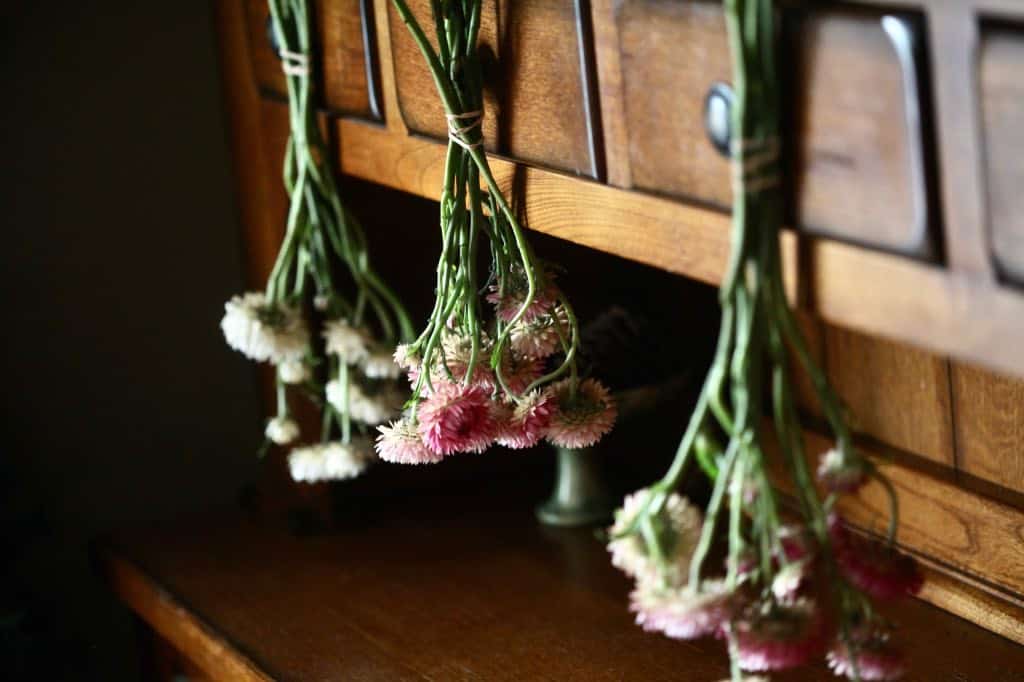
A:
841, 471
458, 352
682, 613
542, 336
779, 636
508, 303
580, 421
877, 569
400, 443
519, 372
875, 657
524, 426
678, 524
456, 418
406, 358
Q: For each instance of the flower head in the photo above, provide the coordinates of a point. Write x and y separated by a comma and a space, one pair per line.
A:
524, 426
878, 569
682, 613
293, 371
405, 357
400, 443
518, 372
330, 461
458, 354
507, 303
580, 421
282, 430
350, 344
364, 407
779, 636
380, 364
456, 418
868, 654
841, 471
542, 336
678, 525
263, 331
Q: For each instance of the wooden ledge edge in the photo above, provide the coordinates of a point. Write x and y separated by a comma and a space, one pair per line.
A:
197, 640
870, 291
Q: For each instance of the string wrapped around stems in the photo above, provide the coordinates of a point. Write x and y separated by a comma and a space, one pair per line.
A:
322, 276
497, 381
790, 592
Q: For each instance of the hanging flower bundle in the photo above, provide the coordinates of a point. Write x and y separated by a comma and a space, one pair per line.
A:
789, 593
477, 379
322, 278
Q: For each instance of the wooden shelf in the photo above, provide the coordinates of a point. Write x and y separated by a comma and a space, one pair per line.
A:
449, 585
870, 291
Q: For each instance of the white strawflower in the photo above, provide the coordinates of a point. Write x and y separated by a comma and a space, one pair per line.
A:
282, 430
262, 331
368, 409
332, 461
293, 371
379, 364
678, 524
350, 344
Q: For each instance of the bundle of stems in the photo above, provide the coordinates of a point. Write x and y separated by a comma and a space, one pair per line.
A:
322, 274
512, 381
749, 376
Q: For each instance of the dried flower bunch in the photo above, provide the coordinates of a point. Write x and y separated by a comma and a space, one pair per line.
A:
788, 594
514, 380
322, 278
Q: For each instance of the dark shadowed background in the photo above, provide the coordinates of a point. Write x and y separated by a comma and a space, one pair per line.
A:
121, 402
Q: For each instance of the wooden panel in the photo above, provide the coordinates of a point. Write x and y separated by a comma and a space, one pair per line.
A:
275, 128
341, 64
536, 95
671, 54
858, 154
864, 290
896, 394
989, 413
1002, 106
347, 85
957, 530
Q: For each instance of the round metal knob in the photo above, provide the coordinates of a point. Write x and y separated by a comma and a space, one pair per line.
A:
718, 117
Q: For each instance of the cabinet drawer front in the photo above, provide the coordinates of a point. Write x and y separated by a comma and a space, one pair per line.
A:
854, 136
537, 82
860, 166
344, 41
1002, 105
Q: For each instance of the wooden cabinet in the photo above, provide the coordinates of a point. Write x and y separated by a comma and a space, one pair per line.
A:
902, 139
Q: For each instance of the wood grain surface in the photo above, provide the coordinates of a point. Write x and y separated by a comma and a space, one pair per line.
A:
896, 394
989, 413
421, 589
536, 97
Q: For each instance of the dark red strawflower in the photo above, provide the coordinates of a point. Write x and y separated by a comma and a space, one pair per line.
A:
877, 569
868, 654
780, 636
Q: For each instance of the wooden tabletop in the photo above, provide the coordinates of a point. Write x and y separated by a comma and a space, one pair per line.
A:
447, 585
